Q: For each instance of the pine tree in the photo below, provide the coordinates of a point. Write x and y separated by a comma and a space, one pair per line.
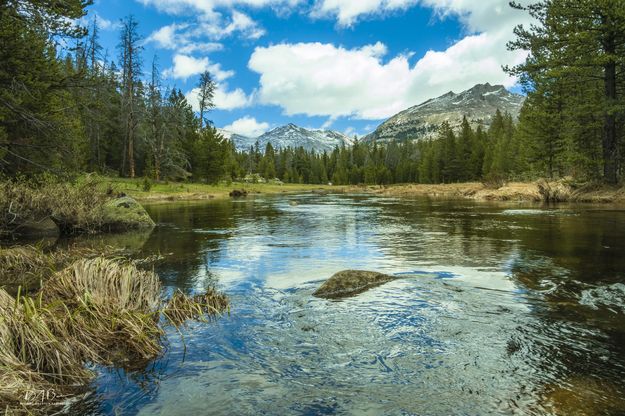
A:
449, 161
464, 151
267, 168
130, 57
206, 95
156, 123
541, 138
35, 131
476, 165
579, 42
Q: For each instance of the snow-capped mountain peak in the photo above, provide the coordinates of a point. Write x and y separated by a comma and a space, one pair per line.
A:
291, 135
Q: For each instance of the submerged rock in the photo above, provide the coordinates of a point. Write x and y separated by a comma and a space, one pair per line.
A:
320, 191
125, 213
351, 282
238, 193
583, 396
38, 228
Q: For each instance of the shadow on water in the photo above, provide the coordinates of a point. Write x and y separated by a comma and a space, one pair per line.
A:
498, 309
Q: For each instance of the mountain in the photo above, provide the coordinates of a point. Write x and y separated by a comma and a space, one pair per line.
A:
240, 142
291, 135
422, 121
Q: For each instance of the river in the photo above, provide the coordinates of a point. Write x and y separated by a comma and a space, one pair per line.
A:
500, 309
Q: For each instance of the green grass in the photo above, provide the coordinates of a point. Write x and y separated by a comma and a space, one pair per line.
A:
177, 190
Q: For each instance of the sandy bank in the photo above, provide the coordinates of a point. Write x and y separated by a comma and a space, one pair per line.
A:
539, 191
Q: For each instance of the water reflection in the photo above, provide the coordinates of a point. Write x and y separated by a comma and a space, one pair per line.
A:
500, 309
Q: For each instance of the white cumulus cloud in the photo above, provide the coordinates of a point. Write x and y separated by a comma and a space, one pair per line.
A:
482, 15
180, 38
319, 79
215, 27
476, 15
211, 20
347, 12
209, 6
224, 98
103, 23
230, 100
185, 66
248, 126
203, 33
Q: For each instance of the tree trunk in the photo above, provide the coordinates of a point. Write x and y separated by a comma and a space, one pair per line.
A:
610, 144
201, 114
130, 146
131, 114
131, 156
157, 168
609, 129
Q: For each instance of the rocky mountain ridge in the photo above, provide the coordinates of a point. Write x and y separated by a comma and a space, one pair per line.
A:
422, 121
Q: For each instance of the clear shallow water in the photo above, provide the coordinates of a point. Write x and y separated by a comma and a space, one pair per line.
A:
500, 309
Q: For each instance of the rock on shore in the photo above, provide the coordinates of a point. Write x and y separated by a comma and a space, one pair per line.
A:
124, 214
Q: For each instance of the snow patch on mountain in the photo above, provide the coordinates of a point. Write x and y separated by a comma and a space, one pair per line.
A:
292, 136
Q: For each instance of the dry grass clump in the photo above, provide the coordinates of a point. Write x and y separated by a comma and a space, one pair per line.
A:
21, 388
558, 191
36, 338
74, 207
182, 307
28, 266
113, 284
113, 309
23, 265
493, 181
36, 364
98, 310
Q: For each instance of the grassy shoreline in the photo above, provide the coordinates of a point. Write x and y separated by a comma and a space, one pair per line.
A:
538, 191
181, 191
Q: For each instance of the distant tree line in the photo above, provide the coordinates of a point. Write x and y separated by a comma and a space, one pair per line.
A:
467, 155
67, 105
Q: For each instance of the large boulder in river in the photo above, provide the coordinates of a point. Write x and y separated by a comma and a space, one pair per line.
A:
124, 214
349, 283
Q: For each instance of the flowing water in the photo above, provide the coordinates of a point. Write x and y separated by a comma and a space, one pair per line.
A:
498, 309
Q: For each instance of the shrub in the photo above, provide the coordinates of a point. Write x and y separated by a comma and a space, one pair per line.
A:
182, 307
147, 184
493, 181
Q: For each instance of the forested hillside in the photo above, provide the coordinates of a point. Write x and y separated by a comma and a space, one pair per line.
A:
68, 106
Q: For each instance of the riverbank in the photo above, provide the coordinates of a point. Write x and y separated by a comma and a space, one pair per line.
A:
144, 191
539, 191
46, 206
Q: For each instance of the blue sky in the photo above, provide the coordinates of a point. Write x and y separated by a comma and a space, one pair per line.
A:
345, 65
